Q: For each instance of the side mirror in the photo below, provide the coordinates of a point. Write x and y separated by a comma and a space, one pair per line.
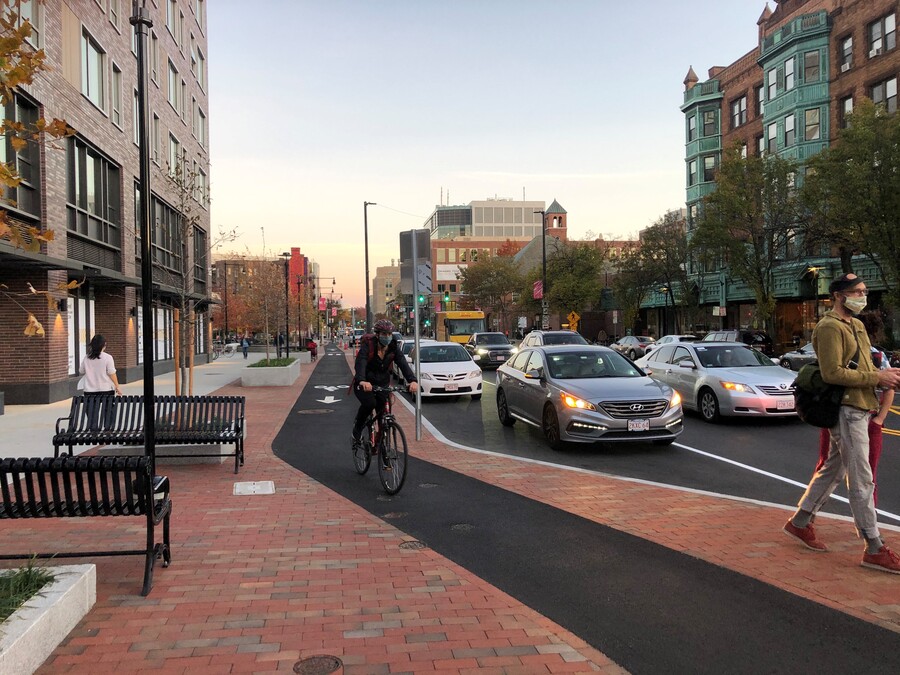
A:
534, 374
690, 365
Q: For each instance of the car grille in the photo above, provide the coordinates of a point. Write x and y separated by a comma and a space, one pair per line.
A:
503, 354
776, 391
626, 409
449, 377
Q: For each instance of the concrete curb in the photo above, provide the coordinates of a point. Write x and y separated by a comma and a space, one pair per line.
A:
33, 632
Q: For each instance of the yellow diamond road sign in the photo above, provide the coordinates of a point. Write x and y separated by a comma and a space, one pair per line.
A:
573, 317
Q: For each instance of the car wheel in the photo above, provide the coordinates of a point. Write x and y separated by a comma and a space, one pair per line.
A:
476, 397
709, 406
506, 419
551, 428
632, 355
784, 363
664, 441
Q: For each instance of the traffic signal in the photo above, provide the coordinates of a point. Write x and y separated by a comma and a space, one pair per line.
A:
421, 298
446, 296
427, 322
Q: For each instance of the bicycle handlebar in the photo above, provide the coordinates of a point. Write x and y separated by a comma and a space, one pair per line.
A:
386, 389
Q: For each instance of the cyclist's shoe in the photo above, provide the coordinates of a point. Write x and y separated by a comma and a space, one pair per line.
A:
356, 435
385, 464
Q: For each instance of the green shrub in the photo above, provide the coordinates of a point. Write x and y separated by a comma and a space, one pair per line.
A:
272, 363
18, 586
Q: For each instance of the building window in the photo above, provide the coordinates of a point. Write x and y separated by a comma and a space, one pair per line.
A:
93, 61
154, 58
171, 16
692, 128
174, 87
116, 96
201, 187
760, 99
30, 11
772, 81
738, 112
93, 197
154, 138
811, 67
709, 123
760, 145
199, 255
789, 130
772, 133
201, 70
789, 74
846, 56
743, 151
114, 13
882, 35
174, 154
885, 93
25, 196
167, 235
811, 128
709, 168
200, 127
200, 12
193, 56
182, 101
692, 172
846, 111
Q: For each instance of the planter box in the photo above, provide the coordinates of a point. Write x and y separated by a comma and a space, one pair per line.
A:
31, 634
281, 376
304, 357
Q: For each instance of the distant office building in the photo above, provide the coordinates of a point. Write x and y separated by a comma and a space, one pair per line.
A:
85, 189
385, 287
789, 95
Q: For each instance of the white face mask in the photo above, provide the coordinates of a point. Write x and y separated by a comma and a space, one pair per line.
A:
855, 304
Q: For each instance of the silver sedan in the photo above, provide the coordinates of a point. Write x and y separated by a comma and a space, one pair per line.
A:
724, 378
585, 394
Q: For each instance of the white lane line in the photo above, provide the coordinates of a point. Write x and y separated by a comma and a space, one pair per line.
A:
527, 460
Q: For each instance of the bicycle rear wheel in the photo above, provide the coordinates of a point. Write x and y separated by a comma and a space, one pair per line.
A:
395, 457
362, 456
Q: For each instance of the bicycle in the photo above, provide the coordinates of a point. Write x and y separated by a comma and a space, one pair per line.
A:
384, 436
217, 350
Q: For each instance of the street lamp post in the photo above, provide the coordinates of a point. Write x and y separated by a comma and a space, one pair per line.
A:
299, 310
287, 327
545, 306
366, 206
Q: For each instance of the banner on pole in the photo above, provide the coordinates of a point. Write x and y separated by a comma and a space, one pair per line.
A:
322, 306
538, 290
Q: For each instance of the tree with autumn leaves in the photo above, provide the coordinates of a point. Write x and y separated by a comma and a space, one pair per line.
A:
20, 63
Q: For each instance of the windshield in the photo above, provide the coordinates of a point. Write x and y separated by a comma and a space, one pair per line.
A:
564, 339
491, 339
731, 357
464, 326
590, 364
444, 354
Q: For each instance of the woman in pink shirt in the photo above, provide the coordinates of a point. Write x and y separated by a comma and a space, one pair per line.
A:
100, 383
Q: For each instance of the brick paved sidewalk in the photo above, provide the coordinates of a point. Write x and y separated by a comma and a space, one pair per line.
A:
258, 583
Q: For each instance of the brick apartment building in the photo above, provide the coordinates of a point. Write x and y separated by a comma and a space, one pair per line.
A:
84, 188
789, 95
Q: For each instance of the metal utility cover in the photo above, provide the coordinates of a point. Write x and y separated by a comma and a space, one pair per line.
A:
262, 487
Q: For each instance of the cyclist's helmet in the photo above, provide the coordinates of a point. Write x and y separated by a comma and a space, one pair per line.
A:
383, 326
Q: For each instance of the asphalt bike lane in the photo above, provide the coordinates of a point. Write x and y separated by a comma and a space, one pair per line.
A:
647, 607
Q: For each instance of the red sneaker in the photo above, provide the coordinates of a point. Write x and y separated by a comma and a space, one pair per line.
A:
805, 534
885, 560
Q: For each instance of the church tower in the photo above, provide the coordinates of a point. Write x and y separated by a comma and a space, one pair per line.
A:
556, 221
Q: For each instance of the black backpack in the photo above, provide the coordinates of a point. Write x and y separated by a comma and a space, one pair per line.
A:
817, 402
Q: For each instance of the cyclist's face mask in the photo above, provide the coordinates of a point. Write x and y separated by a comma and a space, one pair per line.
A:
384, 340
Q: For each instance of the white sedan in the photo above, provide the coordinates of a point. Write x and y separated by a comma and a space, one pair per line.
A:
446, 369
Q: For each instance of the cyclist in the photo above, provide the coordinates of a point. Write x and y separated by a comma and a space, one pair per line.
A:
377, 352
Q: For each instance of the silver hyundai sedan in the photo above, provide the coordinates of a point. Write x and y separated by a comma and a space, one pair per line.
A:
724, 378
586, 394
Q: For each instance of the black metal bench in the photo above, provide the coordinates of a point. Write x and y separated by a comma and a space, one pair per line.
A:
180, 420
79, 487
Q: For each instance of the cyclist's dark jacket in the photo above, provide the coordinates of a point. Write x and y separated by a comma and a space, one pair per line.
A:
371, 368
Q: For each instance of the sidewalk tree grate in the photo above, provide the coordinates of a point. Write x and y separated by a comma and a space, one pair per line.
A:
262, 487
412, 545
315, 411
462, 527
318, 665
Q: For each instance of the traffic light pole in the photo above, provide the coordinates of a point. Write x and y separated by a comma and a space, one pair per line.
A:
415, 257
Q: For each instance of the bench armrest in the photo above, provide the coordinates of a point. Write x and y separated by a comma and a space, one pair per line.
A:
161, 485
61, 419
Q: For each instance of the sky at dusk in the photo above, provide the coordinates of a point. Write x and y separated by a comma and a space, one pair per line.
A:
316, 107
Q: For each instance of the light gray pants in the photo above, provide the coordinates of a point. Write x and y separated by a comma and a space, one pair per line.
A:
848, 456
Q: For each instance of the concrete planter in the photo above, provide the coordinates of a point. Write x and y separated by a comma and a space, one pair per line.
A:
280, 376
304, 357
31, 634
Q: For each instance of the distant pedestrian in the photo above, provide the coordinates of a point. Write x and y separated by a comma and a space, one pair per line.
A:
245, 345
602, 337
99, 384
843, 350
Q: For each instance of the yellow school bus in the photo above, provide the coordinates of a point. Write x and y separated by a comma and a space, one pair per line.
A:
458, 326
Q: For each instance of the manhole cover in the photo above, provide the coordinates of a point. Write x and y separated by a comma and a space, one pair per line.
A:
261, 487
462, 527
412, 545
428, 485
393, 514
315, 411
318, 665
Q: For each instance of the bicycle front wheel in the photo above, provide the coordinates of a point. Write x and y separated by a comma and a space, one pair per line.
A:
362, 457
395, 455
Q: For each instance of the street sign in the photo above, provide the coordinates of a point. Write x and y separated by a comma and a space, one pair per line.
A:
573, 318
423, 278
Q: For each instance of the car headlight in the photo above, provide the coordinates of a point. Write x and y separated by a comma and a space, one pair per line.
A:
481, 350
675, 400
475, 373
737, 386
574, 402
515, 350
426, 376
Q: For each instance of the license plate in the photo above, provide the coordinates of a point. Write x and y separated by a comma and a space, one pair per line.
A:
638, 425
787, 404
451, 386
499, 358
